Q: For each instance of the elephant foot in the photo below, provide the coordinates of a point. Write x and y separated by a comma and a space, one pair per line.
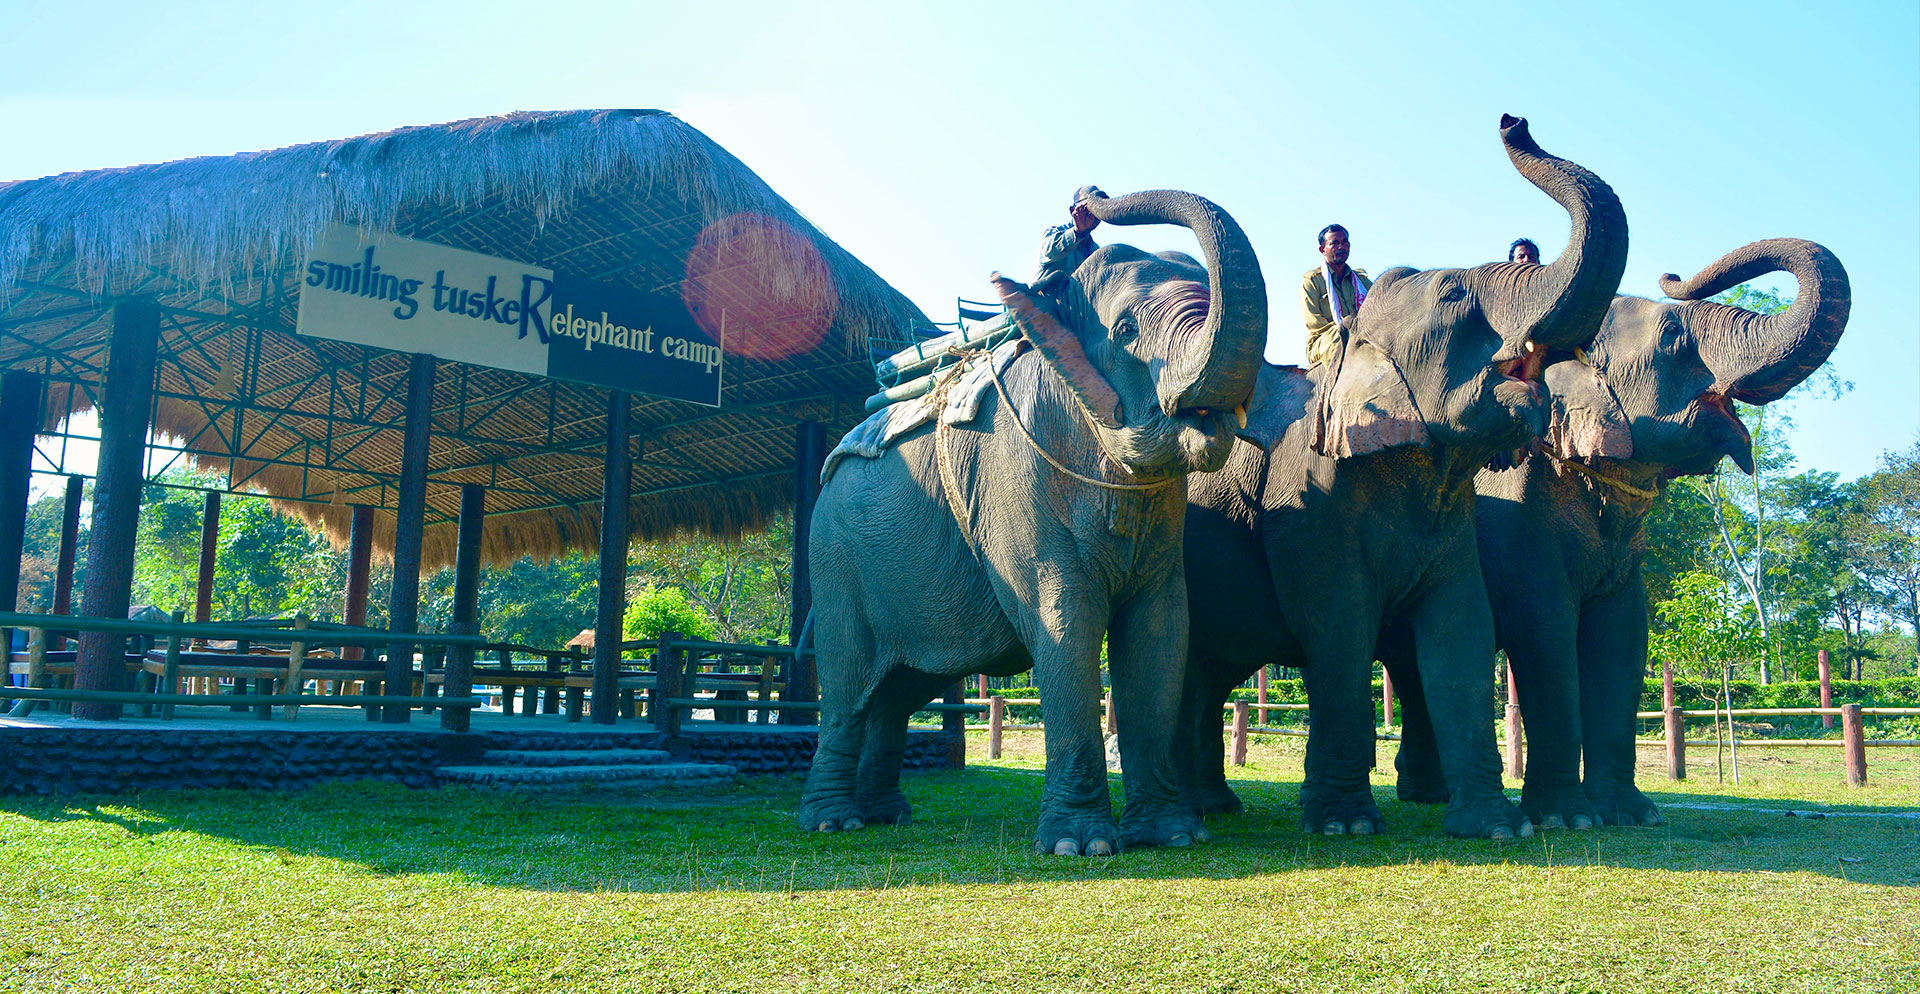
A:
1350, 812
1077, 831
1493, 817
1623, 804
890, 810
1162, 825
1420, 778
1559, 807
829, 814
1215, 799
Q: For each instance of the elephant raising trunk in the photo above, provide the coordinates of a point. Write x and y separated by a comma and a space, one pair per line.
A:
1562, 305
1759, 357
1206, 368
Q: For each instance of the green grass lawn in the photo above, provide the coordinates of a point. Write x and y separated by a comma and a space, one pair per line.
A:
379, 888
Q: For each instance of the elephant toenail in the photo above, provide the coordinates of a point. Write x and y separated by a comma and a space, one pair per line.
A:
1363, 828
1099, 847
853, 823
1526, 829
1202, 835
1552, 821
1334, 828
1500, 833
1581, 823
1066, 847
826, 826
1180, 839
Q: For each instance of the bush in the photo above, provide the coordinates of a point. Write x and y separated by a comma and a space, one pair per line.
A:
664, 609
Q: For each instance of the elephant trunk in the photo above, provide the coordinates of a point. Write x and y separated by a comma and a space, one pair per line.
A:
1759, 357
1562, 305
1210, 362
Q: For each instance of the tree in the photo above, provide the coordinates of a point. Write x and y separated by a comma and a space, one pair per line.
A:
1890, 534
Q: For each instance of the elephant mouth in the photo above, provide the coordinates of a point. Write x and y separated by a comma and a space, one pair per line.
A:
1524, 369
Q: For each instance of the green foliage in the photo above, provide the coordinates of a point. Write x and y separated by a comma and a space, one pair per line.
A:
664, 609
1703, 631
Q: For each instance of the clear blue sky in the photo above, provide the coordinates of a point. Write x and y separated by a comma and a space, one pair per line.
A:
935, 140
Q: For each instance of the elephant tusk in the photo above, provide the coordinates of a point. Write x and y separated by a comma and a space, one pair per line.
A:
1240, 415
1581, 355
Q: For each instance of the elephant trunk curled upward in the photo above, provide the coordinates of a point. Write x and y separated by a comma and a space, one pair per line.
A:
1562, 536
964, 550
1353, 538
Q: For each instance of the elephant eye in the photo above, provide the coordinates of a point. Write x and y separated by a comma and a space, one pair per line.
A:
1124, 330
1452, 293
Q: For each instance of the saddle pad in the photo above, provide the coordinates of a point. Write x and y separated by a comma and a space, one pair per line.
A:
870, 438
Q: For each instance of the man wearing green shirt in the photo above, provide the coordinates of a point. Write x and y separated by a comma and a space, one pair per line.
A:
1322, 310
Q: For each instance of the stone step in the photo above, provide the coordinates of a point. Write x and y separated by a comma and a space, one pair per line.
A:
652, 774
573, 757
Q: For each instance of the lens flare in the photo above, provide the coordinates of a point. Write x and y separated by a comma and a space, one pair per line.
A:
765, 282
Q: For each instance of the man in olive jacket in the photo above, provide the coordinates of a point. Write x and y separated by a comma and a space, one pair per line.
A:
1322, 310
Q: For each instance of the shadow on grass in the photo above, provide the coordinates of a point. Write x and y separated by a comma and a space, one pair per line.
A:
970, 827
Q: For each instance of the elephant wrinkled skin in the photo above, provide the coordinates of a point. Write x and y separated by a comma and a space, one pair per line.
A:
1136, 383
1562, 536
1355, 535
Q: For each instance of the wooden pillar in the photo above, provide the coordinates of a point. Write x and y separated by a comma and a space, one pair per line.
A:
1826, 687
126, 399
19, 417
615, 495
1854, 739
1260, 688
1240, 710
209, 554
809, 456
1386, 698
1676, 744
996, 722
359, 574
466, 605
410, 518
69, 551
1516, 739
668, 663
1666, 684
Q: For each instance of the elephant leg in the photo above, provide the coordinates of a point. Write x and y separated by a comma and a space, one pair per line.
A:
877, 790
1076, 810
830, 802
1336, 796
1202, 754
1539, 630
1417, 762
1613, 653
1453, 647
1146, 655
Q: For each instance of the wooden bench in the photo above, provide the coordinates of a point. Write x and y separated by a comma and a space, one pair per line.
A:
263, 669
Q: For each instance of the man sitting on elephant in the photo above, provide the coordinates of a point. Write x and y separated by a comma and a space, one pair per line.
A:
1330, 292
1065, 246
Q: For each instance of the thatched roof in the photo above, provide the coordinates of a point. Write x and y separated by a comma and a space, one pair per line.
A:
622, 196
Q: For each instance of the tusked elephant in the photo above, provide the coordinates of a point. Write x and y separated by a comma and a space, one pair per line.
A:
1561, 536
1357, 528
1052, 517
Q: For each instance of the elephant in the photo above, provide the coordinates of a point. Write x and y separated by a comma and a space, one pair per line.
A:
1051, 518
1355, 532
1562, 535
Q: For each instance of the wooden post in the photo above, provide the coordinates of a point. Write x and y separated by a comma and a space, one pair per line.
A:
1516, 736
359, 574
209, 555
996, 720
36, 670
170, 673
1106, 708
954, 724
1240, 733
809, 455
982, 683
127, 397
1854, 737
69, 551
1666, 681
19, 416
668, 663
610, 616
1386, 698
458, 679
410, 518
1676, 744
1826, 687
296, 661
1260, 688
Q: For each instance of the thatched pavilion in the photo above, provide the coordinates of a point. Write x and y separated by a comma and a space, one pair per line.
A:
169, 298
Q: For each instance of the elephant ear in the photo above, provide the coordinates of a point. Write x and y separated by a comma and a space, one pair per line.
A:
1587, 422
1062, 349
1364, 404
1281, 396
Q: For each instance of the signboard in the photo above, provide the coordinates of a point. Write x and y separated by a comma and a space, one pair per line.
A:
412, 296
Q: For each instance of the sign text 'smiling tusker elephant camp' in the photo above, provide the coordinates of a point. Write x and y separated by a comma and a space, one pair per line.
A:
1562, 536
1356, 531
1039, 510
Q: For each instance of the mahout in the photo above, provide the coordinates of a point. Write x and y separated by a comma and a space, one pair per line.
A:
1357, 526
1050, 517
1562, 537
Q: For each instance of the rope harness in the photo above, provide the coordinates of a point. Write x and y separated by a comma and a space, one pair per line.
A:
1590, 473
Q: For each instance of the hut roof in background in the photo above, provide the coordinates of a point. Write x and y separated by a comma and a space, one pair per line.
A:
622, 196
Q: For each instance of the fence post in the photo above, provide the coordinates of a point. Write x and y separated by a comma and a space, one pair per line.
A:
954, 724
1106, 708
296, 661
1516, 735
1855, 739
667, 663
36, 670
1240, 733
996, 717
457, 681
1666, 684
1676, 744
1826, 687
982, 680
1386, 697
1260, 687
